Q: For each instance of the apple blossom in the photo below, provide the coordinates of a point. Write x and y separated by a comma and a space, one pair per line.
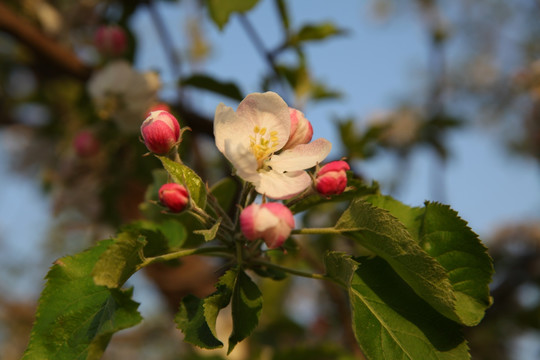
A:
160, 131
253, 140
86, 144
174, 196
301, 129
110, 40
271, 222
331, 179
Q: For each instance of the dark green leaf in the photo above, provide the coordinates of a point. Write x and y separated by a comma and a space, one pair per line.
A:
283, 14
220, 10
390, 320
356, 188
206, 82
387, 237
316, 32
446, 237
191, 320
209, 234
246, 309
182, 174
225, 191
220, 299
119, 261
76, 318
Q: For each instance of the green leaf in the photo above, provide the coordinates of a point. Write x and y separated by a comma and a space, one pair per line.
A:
315, 32
225, 191
246, 309
209, 234
220, 10
209, 83
386, 236
283, 14
447, 238
356, 188
119, 261
390, 320
76, 318
191, 320
182, 174
220, 299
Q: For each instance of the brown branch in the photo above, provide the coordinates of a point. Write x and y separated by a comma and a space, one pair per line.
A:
44, 47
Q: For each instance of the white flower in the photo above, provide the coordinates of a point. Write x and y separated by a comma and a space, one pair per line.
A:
251, 139
121, 93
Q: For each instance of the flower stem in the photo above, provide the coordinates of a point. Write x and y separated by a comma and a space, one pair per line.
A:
290, 270
221, 251
316, 231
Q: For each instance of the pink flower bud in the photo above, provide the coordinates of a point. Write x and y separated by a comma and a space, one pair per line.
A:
272, 222
332, 178
301, 129
86, 144
110, 40
160, 131
173, 196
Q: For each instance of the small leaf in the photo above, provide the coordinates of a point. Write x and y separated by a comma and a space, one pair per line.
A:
246, 309
283, 14
390, 321
447, 238
220, 10
119, 261
386, 236
209, 83
191, 320
76, 318
311, 32
182, 174
220, 299
209, 234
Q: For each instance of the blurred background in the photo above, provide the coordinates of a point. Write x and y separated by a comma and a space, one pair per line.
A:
434, 100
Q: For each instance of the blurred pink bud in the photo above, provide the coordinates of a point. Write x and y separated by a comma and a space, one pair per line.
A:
86, 144
331, 179
110, 40
160, 131
272, 222
174, 196
301, 129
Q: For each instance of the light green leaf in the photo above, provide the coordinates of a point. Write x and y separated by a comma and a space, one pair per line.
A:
390, 320
182, 174
220, 299
76, 318
209, 234
209, 83
191, 320
119, 261
380, 232
315, 32
447, 238
246, 309
220, 10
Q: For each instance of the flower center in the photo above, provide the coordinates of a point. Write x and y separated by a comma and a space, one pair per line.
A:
262, 144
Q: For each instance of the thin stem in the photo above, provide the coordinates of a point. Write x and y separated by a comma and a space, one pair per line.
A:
290, 270
208, 251
316, 231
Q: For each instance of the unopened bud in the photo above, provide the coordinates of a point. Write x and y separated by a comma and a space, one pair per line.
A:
301, 129
271, 222
160, 131
110, 40
331, 179
173, 196
86, 144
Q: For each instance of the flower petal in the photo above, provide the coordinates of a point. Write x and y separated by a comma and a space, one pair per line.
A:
277, 185
267, 110
243, 161
301, 156
228, 126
